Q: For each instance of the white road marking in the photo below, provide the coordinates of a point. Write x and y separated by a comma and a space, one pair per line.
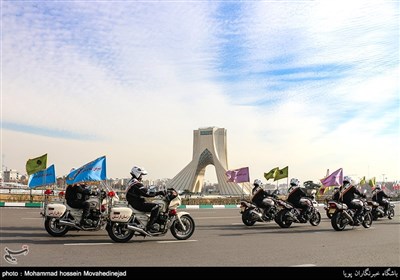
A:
177, 241
304, 265
78, 244
208, 218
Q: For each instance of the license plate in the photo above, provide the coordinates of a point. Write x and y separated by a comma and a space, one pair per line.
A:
332, 211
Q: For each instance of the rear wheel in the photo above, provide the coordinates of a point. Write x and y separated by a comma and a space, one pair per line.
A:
283, 219
374, 214
53, 227
179, 232
118, 232
338, 221
246, 218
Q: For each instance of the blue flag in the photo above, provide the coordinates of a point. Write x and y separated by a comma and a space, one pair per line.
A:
92, 171
43, 177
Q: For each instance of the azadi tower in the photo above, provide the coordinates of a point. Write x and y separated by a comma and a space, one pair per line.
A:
209, 147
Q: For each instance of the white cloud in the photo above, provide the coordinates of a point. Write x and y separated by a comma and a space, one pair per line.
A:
140, 78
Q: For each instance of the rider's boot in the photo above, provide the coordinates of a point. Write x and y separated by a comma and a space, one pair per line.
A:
149, 226
84, 220
358, 218
265, 213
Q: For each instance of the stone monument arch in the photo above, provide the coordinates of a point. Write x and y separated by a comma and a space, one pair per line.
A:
209, 147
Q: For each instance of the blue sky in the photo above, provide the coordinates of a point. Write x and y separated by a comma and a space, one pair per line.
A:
309, 84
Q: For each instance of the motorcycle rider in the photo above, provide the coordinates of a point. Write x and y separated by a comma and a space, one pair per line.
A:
135, 193
336, 194
348, 197
76, 196
260, 196
297, 197
379, 196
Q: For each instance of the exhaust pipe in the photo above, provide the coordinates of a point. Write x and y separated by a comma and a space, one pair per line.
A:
348, 216
380, 211
66, 223
254, 213
138, 229
294, 218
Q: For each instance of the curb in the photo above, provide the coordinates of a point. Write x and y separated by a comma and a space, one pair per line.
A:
40, 204
229, 206
21, 204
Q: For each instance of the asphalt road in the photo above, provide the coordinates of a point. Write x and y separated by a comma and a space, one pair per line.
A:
220, 240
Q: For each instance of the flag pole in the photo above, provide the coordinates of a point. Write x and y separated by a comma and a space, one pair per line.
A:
287, 184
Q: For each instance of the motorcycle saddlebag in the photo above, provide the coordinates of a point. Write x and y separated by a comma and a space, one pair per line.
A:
55, 210
120, 214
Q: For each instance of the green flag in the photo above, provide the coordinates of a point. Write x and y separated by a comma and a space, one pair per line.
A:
282, 173
36, 164
363, 181
271, 174
371, 182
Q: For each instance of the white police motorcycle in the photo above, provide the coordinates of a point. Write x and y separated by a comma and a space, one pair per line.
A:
126, 222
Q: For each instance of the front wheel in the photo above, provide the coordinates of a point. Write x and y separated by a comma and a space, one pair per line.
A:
53, 227
315, 218
118, 232
283, 218
177, 230
367, 220
246, 218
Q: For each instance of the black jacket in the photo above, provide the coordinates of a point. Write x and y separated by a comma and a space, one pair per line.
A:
77, 193
136, 191
336, 195
259, 196
379, 196
350, 193
295, 195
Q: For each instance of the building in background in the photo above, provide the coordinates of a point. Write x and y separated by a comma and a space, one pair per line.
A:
209, 147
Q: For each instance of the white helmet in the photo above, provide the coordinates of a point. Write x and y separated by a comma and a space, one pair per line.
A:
346, 179
137, 171
257, 182
378, 187
294, 182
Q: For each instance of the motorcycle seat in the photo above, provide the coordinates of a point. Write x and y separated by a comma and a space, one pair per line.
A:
135, 211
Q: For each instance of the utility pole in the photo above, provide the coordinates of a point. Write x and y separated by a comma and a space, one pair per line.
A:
2, 168
383, 178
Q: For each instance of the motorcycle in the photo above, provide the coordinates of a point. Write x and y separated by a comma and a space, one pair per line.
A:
329, 209
378, 211
252, 213
126, 222
290, 214
334, 197
344, 216
60, 217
